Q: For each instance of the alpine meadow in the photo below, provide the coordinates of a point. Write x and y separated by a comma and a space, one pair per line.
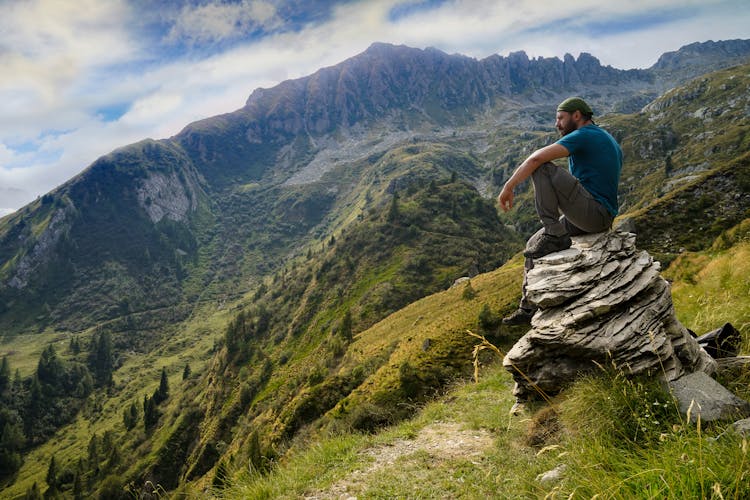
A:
269, 304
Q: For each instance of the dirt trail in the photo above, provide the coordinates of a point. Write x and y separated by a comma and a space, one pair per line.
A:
441, 440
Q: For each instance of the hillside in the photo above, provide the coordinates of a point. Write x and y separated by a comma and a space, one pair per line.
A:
275, 274
604, 436
231, 198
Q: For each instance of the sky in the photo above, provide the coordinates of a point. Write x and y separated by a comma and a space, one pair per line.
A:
80, 78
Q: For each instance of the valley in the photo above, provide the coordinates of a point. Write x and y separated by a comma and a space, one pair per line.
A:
299, 256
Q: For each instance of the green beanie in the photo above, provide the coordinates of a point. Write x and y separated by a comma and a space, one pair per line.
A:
573, 104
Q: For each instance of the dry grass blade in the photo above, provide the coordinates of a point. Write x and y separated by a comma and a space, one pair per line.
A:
486, 344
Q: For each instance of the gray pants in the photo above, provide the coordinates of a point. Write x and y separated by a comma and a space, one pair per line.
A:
557, 192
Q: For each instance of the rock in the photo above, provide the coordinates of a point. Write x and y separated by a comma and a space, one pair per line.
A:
462, 279
708, 398
43, 248
601, 303
626, 226
723, 342
162, 195
742, 427
552, 476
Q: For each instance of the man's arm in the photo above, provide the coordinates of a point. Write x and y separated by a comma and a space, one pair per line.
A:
530, 164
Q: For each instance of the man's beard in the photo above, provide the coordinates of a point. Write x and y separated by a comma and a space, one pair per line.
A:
568, 128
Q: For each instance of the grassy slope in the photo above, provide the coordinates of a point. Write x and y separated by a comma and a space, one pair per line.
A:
443, 324
666, 460
191, 343
618, 438
712, 287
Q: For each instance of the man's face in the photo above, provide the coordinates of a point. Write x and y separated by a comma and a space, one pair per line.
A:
564, 122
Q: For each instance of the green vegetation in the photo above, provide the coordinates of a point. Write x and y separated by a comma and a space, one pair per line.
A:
617, 438
712, 286
277, 340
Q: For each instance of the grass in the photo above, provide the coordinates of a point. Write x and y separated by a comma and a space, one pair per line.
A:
712, 288
133, 381
602, 429
314, 469
618, 439
23, 350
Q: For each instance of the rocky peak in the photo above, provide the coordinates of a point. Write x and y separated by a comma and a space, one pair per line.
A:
704, 52
390, 79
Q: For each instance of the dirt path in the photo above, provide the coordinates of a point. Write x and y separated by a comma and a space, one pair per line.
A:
442, 440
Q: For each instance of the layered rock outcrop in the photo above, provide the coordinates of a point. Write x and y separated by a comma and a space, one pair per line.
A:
601, 303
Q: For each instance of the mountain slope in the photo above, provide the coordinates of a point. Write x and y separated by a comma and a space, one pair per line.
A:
273, 249
690, 149
193, 205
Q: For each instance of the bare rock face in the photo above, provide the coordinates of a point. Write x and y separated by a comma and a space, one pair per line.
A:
601, 302
43, 248
162, 195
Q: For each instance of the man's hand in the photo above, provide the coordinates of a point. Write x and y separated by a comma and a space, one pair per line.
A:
505, 199
524, 171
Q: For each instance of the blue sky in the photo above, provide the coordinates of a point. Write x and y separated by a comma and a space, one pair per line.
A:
82, 77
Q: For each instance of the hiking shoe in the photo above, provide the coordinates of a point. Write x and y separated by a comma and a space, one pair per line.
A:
520, 316
546, 244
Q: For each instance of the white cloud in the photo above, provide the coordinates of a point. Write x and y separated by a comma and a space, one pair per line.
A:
65, 61
217, 20
46, 50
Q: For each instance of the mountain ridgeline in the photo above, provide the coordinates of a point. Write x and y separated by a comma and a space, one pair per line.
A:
263, 246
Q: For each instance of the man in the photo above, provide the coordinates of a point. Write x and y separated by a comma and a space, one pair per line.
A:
585, 194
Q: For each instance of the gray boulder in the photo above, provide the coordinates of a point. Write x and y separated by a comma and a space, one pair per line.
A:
601, 303
700, 395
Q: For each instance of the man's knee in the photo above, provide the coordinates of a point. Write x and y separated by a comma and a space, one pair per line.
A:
545, 169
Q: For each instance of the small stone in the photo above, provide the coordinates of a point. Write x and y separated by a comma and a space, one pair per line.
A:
552, 476
742, 427
458, 281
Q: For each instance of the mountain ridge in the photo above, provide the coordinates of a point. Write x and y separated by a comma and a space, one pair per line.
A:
169, 246
402, 93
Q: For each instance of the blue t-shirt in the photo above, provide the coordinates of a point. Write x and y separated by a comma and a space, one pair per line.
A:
596, 161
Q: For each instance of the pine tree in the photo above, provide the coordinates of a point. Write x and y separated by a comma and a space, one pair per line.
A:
393, 210
162, 393
78, 486
346, 326
114, 458
108, 442
94, 452
52, 474
11, 442
101, 359
130, 416
469, 293
150, 413
186, 372
50, 370
35, 409
33, 493
75, 345
255, 457
4, 374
